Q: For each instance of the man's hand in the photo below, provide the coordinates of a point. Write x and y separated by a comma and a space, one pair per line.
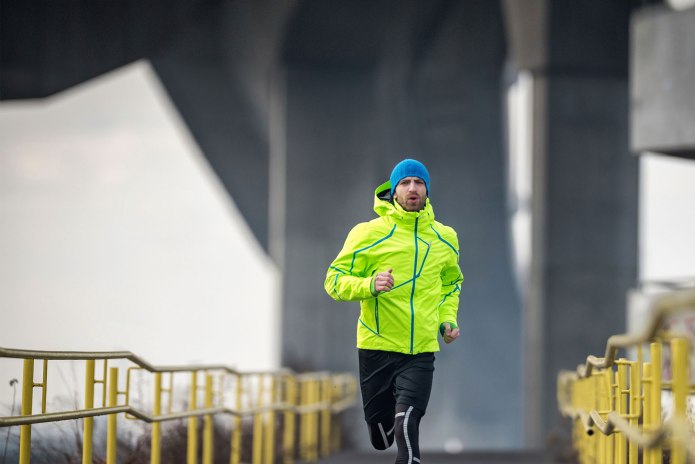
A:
383, 281
449, 334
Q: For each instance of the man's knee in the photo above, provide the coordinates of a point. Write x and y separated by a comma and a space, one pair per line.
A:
406, 433
380, 434
407, 421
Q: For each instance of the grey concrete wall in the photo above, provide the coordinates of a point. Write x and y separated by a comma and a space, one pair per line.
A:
220, 116
48, 47
584, 256
219, 72
439, 100
662, 96
591, 223
215, 58
589, 189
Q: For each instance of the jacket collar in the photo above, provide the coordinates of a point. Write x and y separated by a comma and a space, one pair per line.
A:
385, 207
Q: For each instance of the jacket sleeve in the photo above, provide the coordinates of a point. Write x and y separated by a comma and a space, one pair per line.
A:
347, 278
452, 278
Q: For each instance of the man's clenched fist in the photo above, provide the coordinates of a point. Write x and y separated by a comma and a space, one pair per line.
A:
383, 281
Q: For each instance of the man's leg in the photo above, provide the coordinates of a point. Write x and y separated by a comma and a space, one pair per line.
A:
407, 434
381, 433
376, 379
413, 385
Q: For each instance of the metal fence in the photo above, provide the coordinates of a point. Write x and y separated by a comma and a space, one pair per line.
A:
622, 399
302, 408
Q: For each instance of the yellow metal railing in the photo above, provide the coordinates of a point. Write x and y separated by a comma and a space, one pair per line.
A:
311, 399
622, 399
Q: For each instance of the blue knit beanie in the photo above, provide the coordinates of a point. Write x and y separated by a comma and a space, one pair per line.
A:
409, 168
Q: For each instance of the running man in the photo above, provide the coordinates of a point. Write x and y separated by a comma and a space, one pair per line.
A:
403, 269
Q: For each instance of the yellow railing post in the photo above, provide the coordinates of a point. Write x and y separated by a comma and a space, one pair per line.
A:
27, 403
207, 421
647, 422
88, 404
269, 434
586, 395
326, 417
303, 447
314, 427
310, 421
680, 380
635, 398
102, 382
621, 408
257, 443
607, 406
593, 387
337, 390
192, 448
43, 385
600, 446
156, 439
655, 401
574, 402
112, 421
289, 419
235, 452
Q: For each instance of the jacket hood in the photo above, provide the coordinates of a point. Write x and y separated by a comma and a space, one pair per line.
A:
385, 207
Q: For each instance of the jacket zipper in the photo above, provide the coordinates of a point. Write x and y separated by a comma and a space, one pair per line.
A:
412, 293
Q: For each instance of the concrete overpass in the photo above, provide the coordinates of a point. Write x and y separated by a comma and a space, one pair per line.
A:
302, 107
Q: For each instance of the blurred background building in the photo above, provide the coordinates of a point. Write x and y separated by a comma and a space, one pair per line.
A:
176, 176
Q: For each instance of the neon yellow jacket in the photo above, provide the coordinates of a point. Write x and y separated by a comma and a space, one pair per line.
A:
423, 255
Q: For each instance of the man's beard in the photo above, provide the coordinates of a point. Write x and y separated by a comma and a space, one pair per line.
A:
419, 205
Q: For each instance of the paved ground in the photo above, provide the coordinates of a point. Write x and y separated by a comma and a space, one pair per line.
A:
441, 458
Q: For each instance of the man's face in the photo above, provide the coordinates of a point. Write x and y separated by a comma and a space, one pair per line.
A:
411, 193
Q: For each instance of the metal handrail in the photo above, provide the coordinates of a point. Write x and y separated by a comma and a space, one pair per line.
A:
665, 306
642, 427
143, 416
310, 399
614, 422
129, 356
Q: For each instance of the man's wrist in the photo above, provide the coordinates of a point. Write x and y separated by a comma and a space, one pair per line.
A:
372, 287
442, 327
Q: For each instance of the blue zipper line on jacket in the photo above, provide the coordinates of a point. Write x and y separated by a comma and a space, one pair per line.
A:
412, 293
354, 255
456, 288
424, 258
419, 272
440, 238
367, 327
335, 281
